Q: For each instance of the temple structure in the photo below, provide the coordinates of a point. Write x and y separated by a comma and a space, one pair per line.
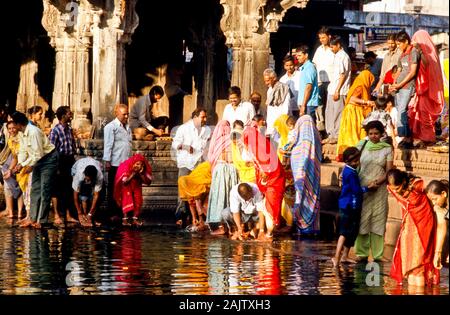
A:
93, 54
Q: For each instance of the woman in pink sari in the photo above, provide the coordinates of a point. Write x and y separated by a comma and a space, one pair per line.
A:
414, 252
130, 176
427, 104
270, 176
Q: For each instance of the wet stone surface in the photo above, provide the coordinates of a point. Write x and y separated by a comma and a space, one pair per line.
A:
157, 260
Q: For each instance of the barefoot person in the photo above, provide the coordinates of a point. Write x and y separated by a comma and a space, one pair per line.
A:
350, 204
437, 192
130, 176
246, 207
415, 248
86, 184
8, 161
36, 154
270, 177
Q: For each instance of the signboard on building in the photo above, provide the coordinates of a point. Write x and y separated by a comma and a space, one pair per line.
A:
380, 33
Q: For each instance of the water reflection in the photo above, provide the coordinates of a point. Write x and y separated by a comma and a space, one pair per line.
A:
77, 261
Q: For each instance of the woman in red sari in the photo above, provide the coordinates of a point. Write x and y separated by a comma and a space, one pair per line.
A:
427, 104
414, 252
270, 177
130, 176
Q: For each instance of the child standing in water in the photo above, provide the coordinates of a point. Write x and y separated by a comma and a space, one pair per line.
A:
350, 205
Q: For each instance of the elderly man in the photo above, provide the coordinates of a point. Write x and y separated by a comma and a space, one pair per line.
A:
117, 148
38, 155
142, 113
278, 98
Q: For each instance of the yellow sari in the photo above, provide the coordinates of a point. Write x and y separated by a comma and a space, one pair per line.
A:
246, 173
21, 177
280, 126
350, 130
192, 186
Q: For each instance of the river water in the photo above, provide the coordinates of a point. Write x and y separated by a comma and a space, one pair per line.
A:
165, 261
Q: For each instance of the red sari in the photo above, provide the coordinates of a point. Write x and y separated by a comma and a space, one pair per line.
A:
266, 163
129, 195
414, 251
427, 104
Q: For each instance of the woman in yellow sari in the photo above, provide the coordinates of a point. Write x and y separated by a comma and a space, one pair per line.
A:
282, 129
194, 188
241, 159
357, 106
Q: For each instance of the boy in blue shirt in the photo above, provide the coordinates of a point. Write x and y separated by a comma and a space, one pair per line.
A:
350, 205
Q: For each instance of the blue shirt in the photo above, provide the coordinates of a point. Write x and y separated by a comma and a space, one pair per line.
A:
352, 192
308, 75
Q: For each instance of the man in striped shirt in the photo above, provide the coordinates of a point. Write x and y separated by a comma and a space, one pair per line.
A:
61, 136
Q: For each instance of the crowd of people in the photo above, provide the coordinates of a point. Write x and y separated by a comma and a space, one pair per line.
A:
258, 170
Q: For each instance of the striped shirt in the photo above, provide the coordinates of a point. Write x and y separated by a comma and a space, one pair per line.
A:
62, 139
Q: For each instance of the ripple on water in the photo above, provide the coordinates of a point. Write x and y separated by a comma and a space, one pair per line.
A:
84, 262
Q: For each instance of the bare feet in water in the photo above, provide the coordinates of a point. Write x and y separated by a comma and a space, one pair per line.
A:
347, 260
335, 262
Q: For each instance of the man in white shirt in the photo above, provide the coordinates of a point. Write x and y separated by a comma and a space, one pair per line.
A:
323, 60
292, 79
87, 183
116, 149
237, 109
337, 90
190, 146
190, 142
38, 155
278, 98
246, 206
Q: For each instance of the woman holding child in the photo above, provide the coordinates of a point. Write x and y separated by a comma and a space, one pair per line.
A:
357, 106
376, 160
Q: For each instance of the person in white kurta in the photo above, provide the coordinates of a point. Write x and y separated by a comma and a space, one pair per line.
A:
278, 99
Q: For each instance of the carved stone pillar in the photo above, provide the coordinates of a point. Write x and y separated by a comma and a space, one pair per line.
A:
108, 56
70, 37
27, 93
241, 26
247, 25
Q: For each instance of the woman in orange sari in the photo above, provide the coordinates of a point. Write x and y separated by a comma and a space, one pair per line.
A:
270, 176
414, 252
131, 174
357, 106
